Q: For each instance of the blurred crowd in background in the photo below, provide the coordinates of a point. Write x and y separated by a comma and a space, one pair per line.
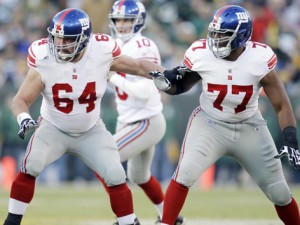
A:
174, 25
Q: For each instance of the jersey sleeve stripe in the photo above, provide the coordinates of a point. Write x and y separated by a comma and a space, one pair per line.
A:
116, 51
187, 62
272, 62
31, 60
30, 64
31, 52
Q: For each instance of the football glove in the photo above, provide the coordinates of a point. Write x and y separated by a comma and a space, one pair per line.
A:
290, 147
27, 124
160, 81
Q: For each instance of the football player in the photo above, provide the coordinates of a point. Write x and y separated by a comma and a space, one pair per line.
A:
233, 70
70, 69
140, 123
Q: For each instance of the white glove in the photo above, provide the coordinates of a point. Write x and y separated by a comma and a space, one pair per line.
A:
160, 81
292, 154
26, 124
290, 147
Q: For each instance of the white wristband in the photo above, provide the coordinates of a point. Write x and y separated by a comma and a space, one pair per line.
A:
22, 116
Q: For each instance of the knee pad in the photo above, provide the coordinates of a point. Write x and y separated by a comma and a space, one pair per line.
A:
187, 176
137, 177
279, 194
34, 167
115, 176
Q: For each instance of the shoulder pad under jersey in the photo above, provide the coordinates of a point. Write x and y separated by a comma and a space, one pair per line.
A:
264, 55
37, 51
196, 51
106, 44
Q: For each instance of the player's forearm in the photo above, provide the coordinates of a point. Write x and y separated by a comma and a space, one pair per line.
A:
19, 106
286, 117
141, 89
146, 66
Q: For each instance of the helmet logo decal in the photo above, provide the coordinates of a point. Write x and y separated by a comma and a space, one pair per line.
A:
242, 17
121, 7
120, 10
85, 23
59, 29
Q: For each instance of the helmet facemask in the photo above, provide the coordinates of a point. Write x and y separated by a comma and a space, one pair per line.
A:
137, 21
61, 46
230, 29
69, 33
221, 46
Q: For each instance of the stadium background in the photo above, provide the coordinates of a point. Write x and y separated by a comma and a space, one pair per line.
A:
173, 25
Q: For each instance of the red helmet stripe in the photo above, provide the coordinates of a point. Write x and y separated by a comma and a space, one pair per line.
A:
64, 15
219, 13
120, 5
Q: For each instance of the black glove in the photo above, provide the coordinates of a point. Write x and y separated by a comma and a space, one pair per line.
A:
175, 74
163, 81
26, 125
290, 147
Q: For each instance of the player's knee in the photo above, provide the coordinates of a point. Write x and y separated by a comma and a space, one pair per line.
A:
138, 178
187, 176
138, 175
115, 176
279, 194
34, 168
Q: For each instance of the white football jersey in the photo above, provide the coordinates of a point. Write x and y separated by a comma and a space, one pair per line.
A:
230, 89
73, 91
131, 105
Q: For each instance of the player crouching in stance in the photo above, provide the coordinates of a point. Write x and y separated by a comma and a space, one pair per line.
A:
232, 70
70, 70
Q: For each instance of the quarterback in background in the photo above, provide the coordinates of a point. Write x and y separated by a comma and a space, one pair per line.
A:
70, 70
232, 70
140, 123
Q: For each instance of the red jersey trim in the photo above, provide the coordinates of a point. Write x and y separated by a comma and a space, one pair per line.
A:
188, 62
116, 51
272, 62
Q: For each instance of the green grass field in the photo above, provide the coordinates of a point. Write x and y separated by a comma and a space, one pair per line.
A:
88, 204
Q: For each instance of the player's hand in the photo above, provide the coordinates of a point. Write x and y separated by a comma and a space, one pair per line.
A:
292, 154
26, 125
290, 147
160, 81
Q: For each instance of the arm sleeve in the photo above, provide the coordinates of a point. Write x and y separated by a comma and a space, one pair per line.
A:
142, 89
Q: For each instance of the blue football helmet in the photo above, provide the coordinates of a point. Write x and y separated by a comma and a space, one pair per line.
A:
70, 28
230, 29
127, 9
